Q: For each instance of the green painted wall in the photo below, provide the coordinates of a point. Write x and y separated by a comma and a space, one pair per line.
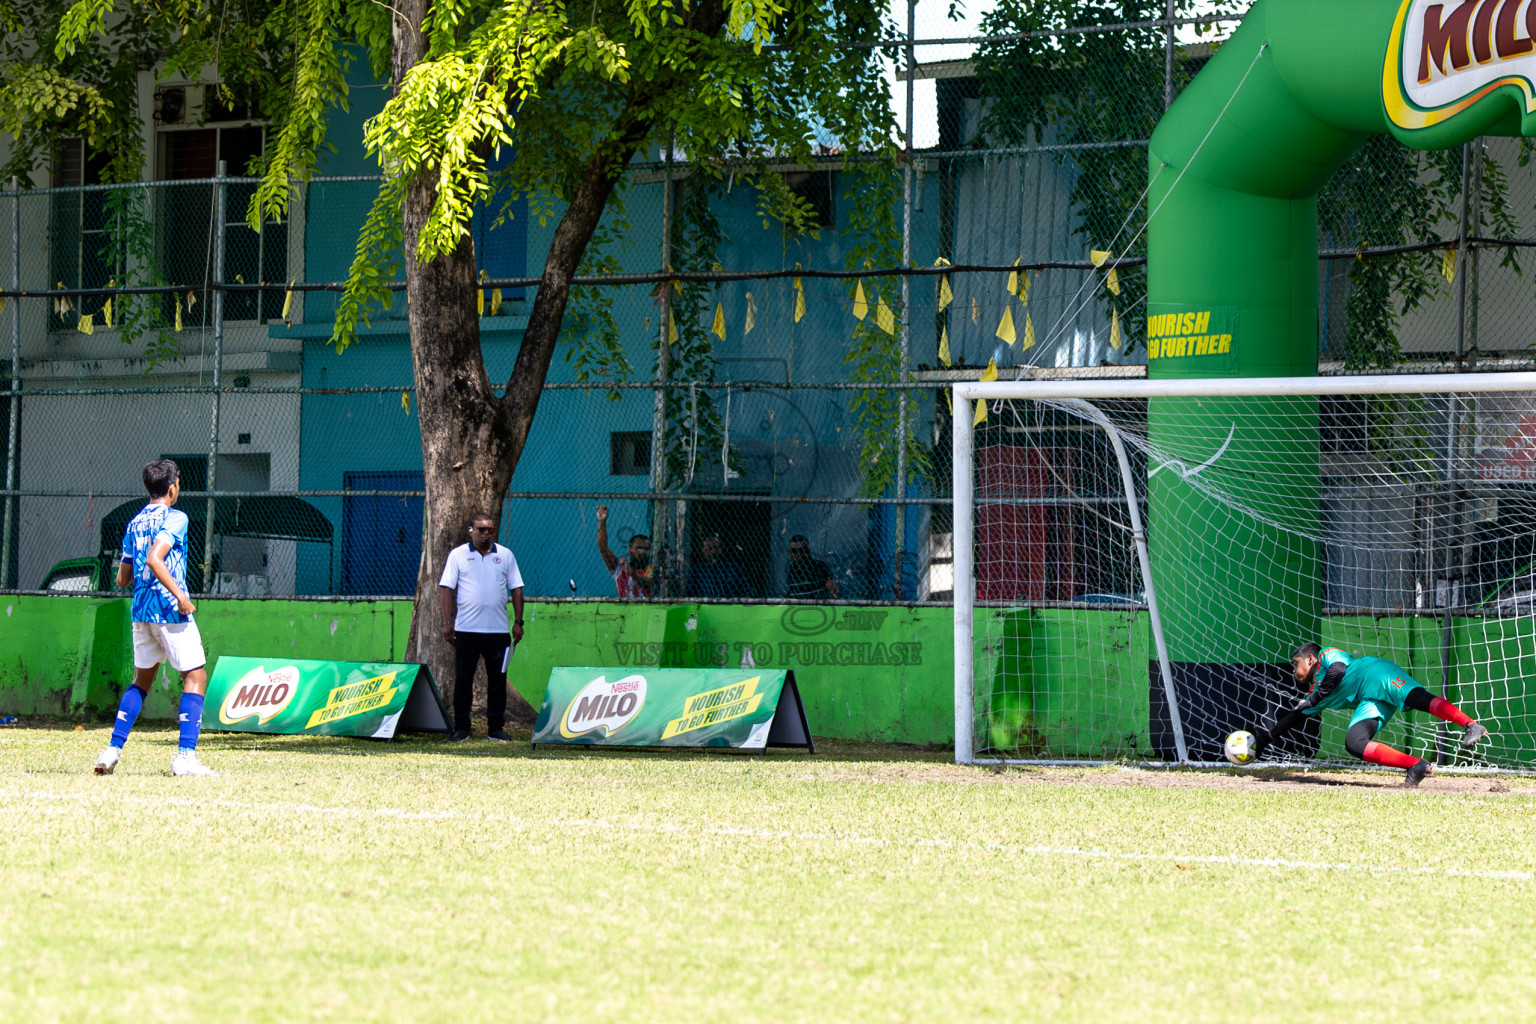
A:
1068, 684
865, 673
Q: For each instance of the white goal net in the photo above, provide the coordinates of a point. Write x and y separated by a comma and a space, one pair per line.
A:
1389, 516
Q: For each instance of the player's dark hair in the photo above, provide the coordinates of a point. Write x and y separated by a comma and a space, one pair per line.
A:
476, 517
640, 536
1306, 650
159, 475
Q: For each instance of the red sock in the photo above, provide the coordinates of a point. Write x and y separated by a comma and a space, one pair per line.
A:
1442, 708
1380, 753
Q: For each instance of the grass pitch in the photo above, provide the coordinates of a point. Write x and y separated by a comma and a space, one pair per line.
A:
337, 880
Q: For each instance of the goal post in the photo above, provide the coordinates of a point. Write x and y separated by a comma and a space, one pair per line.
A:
1134, 560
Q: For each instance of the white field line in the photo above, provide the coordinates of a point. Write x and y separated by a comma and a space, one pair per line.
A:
12, 797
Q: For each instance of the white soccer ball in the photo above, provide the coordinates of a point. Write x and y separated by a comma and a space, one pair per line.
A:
1239, 747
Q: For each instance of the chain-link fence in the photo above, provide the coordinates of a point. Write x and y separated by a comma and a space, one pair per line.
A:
771, 416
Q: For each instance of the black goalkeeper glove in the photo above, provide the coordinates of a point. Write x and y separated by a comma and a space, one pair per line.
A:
1260, 741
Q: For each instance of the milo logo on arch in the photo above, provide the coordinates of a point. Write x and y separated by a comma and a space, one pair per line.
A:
604, 705
1446, 55
260, 694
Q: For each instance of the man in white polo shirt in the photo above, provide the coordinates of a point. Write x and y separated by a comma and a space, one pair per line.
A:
474, 588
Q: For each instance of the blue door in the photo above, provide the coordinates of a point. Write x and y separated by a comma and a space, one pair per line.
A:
381, 537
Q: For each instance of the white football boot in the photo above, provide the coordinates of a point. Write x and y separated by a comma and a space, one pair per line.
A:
108, 761
186, 763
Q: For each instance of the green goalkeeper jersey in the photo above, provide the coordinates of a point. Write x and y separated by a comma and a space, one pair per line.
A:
1365, 679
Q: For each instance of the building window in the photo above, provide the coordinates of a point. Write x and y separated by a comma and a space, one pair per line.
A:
83, 252
817, 189
233, 134
629, 453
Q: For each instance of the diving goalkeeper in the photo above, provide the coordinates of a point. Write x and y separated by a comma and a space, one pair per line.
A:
1376, 689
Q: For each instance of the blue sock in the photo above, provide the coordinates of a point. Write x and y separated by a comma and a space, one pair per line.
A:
127, 713
191, 719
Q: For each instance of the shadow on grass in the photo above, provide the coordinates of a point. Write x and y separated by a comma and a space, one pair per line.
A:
478, 747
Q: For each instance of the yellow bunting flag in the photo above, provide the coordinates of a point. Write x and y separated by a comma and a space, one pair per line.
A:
1114, 329
860, 303
178, 312
106, 313
944, 346
85, 324
1024, 287
671, 328
799, 300
191, 300
479, 302
1005, 328
975, 311
883, 316
1112, 281
945, 295
1448, 264
990, 373
288, 299
751, 314
495, 302
1098, 256
1013, 278
718, 327
1029, 333
405, 402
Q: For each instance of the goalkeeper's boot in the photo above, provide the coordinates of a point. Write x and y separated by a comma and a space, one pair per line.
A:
186, 763
108, 760
1473, 733
1416, 774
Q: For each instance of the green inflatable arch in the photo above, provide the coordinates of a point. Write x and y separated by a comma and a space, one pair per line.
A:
1235, 167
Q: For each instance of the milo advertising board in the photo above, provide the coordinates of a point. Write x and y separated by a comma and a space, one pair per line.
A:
322, 698
750, 709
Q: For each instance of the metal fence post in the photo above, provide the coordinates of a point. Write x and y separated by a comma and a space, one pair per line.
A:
899, 544
1168, 53
217, 276
11, 447
663, 371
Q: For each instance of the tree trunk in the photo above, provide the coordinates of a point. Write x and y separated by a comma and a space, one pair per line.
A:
470, 440
465, 431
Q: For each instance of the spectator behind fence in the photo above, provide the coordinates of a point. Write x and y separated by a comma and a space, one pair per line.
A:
476, 580
632, 573
808, 578
712, 576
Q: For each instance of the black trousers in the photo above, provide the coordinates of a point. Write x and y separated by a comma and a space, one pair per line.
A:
468, 650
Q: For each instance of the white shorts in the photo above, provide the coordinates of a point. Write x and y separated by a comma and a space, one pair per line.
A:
176, 642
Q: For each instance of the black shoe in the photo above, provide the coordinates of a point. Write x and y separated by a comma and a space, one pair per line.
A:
1474, 733
458, 736
499, 735
1416, 774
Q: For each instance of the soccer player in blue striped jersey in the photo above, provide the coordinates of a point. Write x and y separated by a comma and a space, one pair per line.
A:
1374, 689
155, 562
